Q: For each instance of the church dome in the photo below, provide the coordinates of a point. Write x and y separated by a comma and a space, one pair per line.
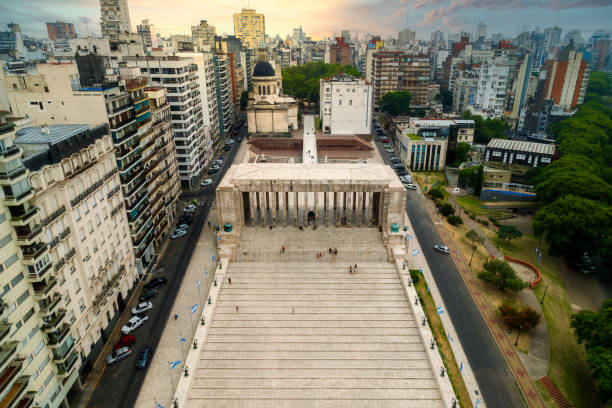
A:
263, 69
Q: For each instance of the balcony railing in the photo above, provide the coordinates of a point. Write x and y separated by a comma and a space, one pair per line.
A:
26, 236
57, 336
65, 368
5, 329
110, 173
33, 251
40, 274
47, 305
13, 198
24, 216
44, 289
75, 201
113, 191
53, 216
116, 209
53, 321
9, 152
13, 174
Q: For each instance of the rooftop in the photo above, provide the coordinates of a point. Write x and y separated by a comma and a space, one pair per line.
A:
48, 134
521, 146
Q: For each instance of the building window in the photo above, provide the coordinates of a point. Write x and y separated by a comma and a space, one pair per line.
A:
11, 260
5, 240
340, 102
23, 297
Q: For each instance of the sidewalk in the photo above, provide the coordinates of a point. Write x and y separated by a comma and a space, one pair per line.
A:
538, 359
521, 376
160, 380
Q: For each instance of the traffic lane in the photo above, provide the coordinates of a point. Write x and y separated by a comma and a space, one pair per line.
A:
492, 373
120, 383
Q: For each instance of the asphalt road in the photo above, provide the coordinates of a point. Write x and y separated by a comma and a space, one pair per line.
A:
496, 382
119, 385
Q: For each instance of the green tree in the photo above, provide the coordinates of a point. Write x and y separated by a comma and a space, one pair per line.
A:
454, 220
594, 329
475, 239
574, 225
302, 82
501, 274
396, 103
244, 100
435, 193
472, 177
461, 152
508, 232
579, 183
447, 209
487, 129
526, 318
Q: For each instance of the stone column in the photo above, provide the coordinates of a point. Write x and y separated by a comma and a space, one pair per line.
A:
337, 208
295, 208
358, 209
306, 208
370, 201
252, 207
316, 207
349, 208
264, 208
286, 207
272, 197
326, 208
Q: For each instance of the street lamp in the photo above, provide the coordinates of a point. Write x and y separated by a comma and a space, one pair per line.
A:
517, 335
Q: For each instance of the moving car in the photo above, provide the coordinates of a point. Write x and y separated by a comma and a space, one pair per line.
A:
389, 150
206, 182
156, 283
442, 248
178, 234
125, 341
149, 294
144, 356
142, 307
118, 355
134, 323
410, 186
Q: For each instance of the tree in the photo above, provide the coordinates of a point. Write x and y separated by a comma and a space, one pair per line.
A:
501, 274
475, 239
447, 209
573, 225
579, 183
526, 318
302, 82
594, 329
396, 103
487, 129
447, 98
435, 193
461, 152
508, 232
244, 100
454, 220
472, 177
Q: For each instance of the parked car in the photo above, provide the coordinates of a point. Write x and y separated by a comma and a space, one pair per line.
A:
410, 186
395, 160
401, 172
144, 356
229, 141
206, 182
389, 150
142, 307
149, 294
182, 227
397, 166
442, 248
156, 283
134, 323
215, 167
385, 140
118, 355
178, 234
226, 148
392, 156
190, 207
212, 171
125, 341
185, 220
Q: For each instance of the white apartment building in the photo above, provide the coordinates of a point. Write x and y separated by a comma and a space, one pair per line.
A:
115, 18
345, 105
225, 100
180, 78
84, 227
492, 82
38, 360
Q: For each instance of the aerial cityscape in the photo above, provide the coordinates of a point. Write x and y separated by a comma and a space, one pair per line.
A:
326, 204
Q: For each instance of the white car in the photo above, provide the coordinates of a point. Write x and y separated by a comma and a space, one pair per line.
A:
134, 323
442, 248
229, 141
206, 182
118, 355
178, 234
181, 227
406, 179
456, 190
190, 207
142, 307
410, 186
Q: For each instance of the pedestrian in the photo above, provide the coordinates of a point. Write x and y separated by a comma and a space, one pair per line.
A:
335, 251
404, 265
237, 309
175, 316
209, 223
283, 249
270, 227
330, 251
355, 268
350, 269
292, 309
229, 280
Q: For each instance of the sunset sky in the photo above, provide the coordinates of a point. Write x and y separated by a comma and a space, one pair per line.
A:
323, 18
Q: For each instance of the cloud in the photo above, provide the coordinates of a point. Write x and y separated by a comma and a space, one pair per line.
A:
422, 3
457, 5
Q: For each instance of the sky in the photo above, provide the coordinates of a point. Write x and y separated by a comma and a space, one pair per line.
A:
324, 18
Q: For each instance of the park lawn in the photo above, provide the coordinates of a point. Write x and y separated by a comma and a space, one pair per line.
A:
435, 324
429, 178
568, 367
472, 204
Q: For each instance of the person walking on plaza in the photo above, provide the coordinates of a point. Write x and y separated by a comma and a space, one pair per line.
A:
229, 280
355, 268
237, 309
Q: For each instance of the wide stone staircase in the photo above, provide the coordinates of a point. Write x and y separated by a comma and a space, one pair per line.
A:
306, 333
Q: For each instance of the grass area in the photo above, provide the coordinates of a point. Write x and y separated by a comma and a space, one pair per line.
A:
413, 136
472, 204
435, 324
568, 367
429, 178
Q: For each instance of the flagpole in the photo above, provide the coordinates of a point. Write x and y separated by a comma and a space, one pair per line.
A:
171, 383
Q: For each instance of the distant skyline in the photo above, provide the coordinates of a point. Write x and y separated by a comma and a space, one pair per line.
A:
324, 18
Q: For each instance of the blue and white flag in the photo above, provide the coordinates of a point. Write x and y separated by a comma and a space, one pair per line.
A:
212, 255
199, 283
539, 257
159, 405
174, 364
205, 270
461, 367
184, 340
194, 308
440, 311
415, 252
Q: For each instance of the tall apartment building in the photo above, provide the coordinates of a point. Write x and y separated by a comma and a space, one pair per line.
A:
346, 105
61, 30
340, 52
115, 18
144, 31
406, 36
223, 83
399, 71
84, 228
121, 103
203, 35
566, 78
464, 91
38, 360
250, 27
491, 93
179, 76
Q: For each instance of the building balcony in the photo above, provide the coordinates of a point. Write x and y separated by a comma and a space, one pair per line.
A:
5, 329
21, 215
116, 209
91, 189
10, 374
61, 353
55, 338
32, 253
27, 400
100, 298
7, 352
37, 276
49, 305
10, 153
113, 191
11, 198
27, 234
15, 393
53, 321
124, 136
67, 366
12, 176
43, 289
111, 173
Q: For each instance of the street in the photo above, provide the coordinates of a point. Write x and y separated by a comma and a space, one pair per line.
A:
492, 373
119, 384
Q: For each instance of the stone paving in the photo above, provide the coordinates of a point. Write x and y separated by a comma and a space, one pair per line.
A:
308, 333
